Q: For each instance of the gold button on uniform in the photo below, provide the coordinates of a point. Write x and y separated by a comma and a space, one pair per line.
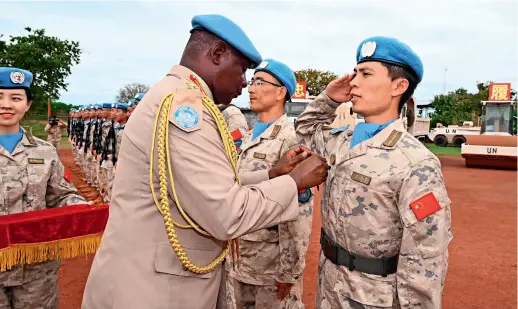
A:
332, 159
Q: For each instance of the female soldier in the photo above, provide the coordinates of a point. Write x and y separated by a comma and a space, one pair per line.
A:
31, 178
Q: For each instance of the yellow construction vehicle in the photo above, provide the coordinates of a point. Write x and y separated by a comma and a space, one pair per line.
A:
496, 146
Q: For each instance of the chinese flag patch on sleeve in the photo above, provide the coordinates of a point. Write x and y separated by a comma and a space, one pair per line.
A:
425, 206
236, 134
67, 175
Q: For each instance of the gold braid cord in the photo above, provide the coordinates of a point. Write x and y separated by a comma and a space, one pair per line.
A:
164, 168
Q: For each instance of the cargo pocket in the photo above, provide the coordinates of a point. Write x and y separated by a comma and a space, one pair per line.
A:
366, 289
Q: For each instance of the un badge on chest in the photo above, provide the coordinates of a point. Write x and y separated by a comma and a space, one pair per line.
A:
187, 110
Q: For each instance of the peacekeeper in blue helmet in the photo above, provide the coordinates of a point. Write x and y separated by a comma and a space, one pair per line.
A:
386, 221
168, 236
32, 178
269, 273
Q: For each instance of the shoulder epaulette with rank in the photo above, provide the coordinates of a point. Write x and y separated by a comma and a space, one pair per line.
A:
340, 129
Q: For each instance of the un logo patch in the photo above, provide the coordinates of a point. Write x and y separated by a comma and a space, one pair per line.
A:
305, 196
186, 117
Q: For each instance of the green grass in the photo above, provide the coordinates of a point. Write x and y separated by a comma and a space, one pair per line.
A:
37, 128
443, 151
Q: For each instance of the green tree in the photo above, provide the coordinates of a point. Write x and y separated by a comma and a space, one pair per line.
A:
129, 91
48, 58
460, 105
316, 80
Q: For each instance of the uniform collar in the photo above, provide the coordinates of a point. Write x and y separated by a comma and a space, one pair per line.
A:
389, 137
28, 140
185, 73
273, 130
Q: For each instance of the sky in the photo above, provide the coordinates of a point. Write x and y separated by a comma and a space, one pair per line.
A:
460, 42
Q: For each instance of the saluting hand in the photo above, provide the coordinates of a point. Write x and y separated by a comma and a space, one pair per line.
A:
339, 90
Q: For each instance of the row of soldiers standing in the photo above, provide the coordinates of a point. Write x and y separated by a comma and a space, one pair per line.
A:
95, 135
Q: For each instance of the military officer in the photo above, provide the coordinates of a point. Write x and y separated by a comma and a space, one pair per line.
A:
269, 273
386, 221
31, 178
145, 265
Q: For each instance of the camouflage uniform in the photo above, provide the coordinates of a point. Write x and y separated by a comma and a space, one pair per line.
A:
89, 162
100, 173
369, 209
32, 178
273, 254
54, 135
235, 119
119, 131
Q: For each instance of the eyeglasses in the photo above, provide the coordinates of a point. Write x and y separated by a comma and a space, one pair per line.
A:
259, 83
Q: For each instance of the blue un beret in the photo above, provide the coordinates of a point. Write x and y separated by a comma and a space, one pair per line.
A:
121, 106
392, 51
228, 31
281, 72
106, 105
14, 78
131, 102
88, 108
99, 106
139, 96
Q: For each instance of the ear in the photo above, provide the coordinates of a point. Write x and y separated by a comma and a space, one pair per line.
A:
217, 52
29, 103
281, 93
400, 85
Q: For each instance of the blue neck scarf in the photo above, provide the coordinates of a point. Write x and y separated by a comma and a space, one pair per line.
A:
259, 128
9, 141
363, 131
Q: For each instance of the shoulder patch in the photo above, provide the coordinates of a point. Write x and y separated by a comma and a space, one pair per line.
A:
305, 195
30, 138
276, 130
393, 138
340, 129
425, 206
187, 110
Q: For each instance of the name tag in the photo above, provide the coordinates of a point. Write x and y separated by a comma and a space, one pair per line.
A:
259, 155
366, 180
36, 161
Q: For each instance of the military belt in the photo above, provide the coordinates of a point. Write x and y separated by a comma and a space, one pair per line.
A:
340, 256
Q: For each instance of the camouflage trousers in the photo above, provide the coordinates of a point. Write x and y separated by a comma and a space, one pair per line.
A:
55, 142
30, 286
248, 296
107, 178
97, 173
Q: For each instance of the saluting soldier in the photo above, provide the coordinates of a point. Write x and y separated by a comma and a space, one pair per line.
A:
31, 178
269, 272
148, 266
386, 221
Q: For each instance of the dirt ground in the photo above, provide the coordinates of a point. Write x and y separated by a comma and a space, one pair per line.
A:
482, 269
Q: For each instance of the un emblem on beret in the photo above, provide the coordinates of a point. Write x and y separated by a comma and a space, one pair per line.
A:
368, 49
186, 117
263, 65
17, 77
